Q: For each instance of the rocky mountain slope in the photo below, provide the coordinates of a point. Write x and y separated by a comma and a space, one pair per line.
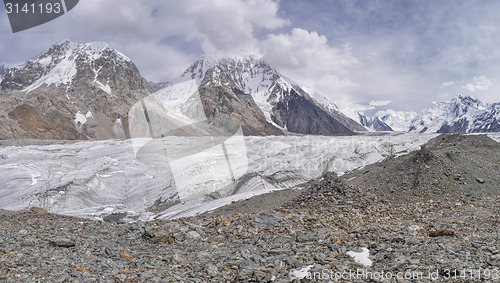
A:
463, 114
374, 123
284, 103
448, 166
71, 91
84, 91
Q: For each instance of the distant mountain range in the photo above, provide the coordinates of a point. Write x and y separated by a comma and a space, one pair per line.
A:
463, 114
85, 91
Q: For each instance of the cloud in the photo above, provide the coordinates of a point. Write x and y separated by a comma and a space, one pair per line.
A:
402, 114
379, 102
371, 56
480, 83
158, 62
350, 53
304, 50
308, 58
162, 37
446, 84
229, 27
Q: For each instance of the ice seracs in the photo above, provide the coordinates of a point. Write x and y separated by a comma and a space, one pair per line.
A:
101, 174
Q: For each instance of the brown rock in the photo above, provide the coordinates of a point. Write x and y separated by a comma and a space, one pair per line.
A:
163, 239
442, 232
125, 255
38, 210
62, 243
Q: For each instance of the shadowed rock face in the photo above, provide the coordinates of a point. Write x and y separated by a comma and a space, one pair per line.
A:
374, 123
284, 104
299, 115
227, 107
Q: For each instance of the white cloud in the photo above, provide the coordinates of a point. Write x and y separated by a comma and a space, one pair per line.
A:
379, 102
161, 37
402, 114
308, 58
302, 49
228, 26
447, 84
480, 83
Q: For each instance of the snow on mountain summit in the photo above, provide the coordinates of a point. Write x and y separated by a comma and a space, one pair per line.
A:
464, 114
57, 66
63, 83
397, 120
269, 88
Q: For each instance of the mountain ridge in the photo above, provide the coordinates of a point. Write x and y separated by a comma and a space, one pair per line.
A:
84, 92
84, 89
463, 114
270, 88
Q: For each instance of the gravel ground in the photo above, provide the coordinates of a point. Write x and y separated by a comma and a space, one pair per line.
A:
448, 166
451, 235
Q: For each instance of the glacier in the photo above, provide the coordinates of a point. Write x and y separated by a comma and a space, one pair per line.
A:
95, 178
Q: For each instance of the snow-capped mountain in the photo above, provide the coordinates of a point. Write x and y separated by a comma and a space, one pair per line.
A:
71, 91
370, 123
397, 120
374, 123
463, 114
283, 103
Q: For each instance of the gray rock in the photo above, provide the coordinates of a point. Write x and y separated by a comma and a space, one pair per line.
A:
212, 270
303, 237
62, 243
172, 226
203, 255
178, 258
261, 221
191, 235
109, 264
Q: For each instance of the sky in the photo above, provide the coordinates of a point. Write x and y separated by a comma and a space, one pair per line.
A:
372, 56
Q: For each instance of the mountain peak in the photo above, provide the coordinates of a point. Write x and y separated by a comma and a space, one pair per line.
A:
464, 114
71, 79
468, 101
59, 65
62, 46
96, 45
278, 97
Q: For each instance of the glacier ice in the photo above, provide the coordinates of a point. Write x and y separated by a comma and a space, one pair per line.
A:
95, 175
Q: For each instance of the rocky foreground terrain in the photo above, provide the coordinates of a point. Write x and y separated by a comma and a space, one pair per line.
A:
424, 217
